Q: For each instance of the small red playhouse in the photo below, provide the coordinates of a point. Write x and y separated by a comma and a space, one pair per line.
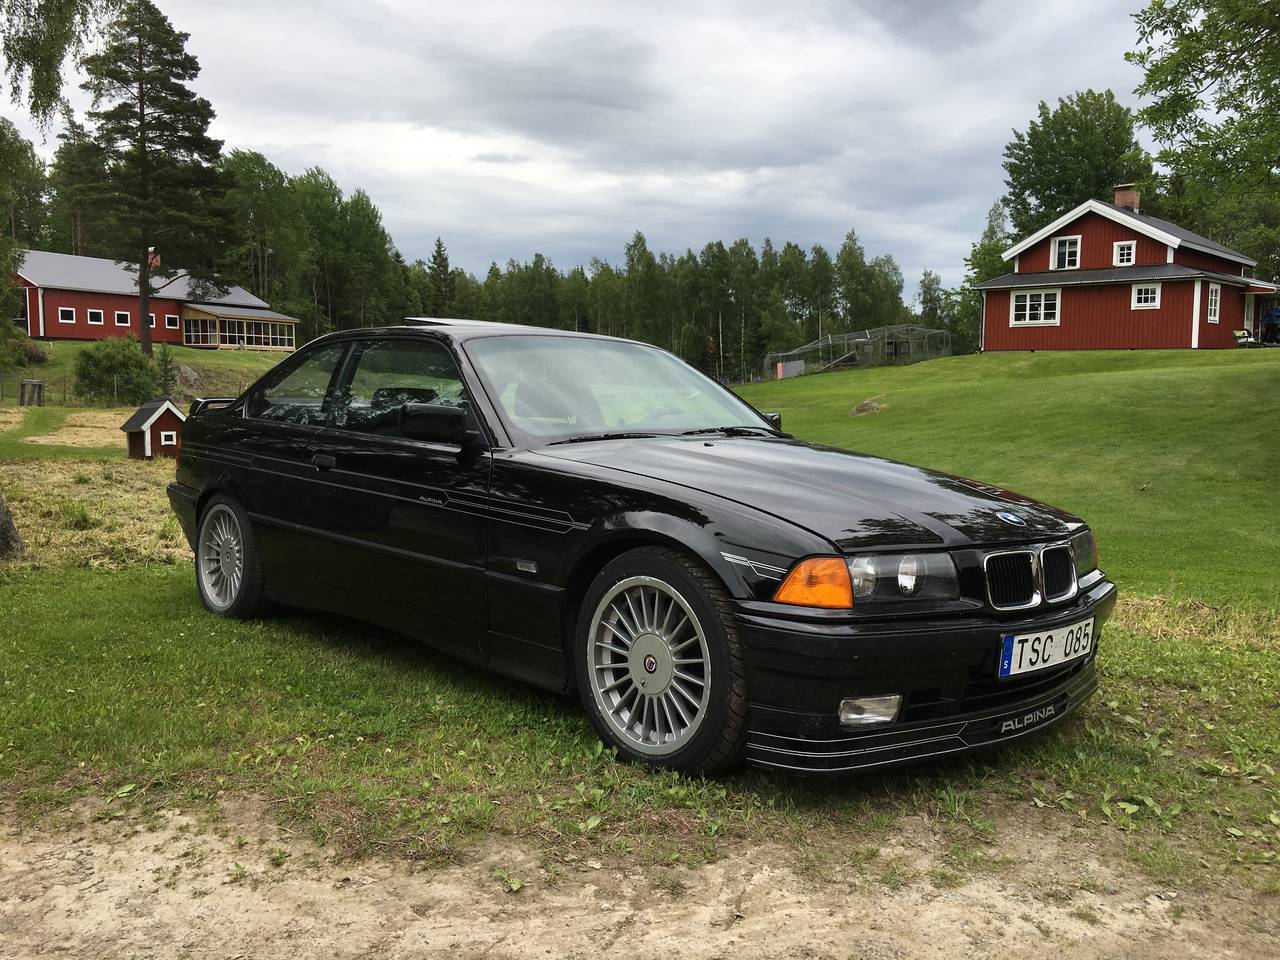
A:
155, 430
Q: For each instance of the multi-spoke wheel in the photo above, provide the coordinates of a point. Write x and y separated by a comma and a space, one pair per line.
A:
658, 662
228, 575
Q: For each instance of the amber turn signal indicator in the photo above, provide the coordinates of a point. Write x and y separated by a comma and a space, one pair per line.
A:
818, 582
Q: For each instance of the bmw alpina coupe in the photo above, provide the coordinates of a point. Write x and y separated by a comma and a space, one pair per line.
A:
590, 513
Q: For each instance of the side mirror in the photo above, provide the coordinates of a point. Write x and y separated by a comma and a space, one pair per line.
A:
775, 419
433, 423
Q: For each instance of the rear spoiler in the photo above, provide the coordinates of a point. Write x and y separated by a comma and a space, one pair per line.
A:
206, 403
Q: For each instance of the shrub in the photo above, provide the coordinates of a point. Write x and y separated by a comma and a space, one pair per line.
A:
17, 349
166, 370
116, 371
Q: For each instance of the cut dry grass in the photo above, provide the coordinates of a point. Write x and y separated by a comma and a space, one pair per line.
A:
87, 428
10, 417
93, 513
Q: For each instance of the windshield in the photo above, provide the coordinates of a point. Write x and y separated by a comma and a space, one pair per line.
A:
560, 388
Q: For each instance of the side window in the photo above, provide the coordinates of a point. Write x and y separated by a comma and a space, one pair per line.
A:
299, 394
387, 374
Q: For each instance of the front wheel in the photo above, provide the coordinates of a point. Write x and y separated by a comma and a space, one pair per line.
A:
659, 664
228, 571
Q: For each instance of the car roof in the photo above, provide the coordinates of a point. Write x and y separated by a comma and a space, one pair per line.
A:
460, 330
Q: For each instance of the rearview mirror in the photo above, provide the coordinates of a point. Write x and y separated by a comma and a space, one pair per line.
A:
775, 419
433, 423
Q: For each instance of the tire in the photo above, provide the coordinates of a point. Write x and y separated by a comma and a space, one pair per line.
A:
228, 568
663, 695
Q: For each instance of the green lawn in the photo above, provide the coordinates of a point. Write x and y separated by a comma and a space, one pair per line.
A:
1172, 456
38, 421
115, 685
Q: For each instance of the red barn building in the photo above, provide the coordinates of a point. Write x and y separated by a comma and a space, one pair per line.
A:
154, 430
88, 298
1106, 276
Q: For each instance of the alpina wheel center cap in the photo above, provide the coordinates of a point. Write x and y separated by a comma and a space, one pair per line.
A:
651, 663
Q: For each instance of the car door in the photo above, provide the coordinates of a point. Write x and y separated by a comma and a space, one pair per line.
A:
411, 512
282, 486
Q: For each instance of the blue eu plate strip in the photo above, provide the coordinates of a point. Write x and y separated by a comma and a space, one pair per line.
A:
1006, 655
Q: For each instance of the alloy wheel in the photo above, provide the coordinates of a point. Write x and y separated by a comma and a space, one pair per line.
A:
221, 557
649, 665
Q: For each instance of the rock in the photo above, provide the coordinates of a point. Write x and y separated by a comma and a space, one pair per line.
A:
187, 375
10, 541
866, 406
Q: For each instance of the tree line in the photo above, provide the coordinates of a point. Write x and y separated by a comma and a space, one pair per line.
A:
140, 173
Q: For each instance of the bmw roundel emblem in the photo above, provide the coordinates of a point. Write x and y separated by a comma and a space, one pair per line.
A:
1012, 518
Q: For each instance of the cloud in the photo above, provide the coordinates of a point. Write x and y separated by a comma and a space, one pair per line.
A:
561, 127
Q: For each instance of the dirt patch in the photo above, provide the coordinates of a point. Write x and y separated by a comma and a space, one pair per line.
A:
93, 513
10, 417
87, 428
247, 887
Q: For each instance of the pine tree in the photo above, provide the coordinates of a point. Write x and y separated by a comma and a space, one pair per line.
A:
441, 289
76, 202
162, 187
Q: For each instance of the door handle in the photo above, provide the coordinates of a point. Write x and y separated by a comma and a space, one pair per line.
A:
323, 461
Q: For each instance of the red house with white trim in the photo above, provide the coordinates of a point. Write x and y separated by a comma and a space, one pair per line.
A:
67, 297
1106, 276
154, 430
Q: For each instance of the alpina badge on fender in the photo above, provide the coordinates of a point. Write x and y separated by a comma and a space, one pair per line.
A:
1012, 518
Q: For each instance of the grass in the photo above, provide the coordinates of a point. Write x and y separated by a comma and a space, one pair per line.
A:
217, 372
40, 421
115, 685
1172, 456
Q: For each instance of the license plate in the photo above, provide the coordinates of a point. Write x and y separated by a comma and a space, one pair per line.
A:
1028, 652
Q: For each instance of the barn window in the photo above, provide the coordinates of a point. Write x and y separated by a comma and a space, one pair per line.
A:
151, 320
1215, 302
95, 317
1123, 253
168, 438
1034, 308
66, 314
122, 318
1146, 296
171, 321
1065, 253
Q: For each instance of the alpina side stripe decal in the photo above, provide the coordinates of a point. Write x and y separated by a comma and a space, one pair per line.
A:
765, 570
477, 505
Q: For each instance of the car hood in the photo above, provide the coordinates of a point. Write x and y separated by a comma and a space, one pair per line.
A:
852, 499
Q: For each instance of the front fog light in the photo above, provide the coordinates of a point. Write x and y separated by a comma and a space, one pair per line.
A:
865, 711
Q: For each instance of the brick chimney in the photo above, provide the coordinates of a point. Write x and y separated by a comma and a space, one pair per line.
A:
154, 258
1127, 196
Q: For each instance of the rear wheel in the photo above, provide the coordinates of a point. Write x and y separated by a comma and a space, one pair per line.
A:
228, 571
659, 665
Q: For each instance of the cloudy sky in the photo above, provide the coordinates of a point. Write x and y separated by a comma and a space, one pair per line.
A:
562, 127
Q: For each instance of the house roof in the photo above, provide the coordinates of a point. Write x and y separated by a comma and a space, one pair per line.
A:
240, 313
146, 414
62, 271
1076, 278
1164, 231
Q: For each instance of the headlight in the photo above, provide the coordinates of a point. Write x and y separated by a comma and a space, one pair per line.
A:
904, 576
1085, 546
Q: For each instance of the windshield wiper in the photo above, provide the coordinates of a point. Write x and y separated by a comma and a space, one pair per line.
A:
738, 431
587, 437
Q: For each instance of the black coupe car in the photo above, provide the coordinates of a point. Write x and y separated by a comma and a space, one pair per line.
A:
587, 512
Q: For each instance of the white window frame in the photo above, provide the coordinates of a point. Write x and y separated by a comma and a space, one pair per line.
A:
1133, 296
151, 317
171, 321
62, 314
1042, 291
1131, 246
128, 318
168, 438
1214, 310
1053, 251
102, 317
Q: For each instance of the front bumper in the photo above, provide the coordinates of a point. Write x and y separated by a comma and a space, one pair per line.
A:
798, 671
